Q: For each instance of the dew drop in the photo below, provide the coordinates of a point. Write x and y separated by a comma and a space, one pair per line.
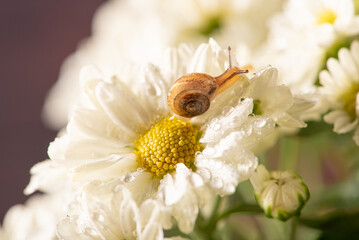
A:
260, 123
128, 178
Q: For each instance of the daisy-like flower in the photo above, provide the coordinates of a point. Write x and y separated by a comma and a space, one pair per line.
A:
159, 24
120, 218
301, 37
321, 21
341, 87
282, 194
35, 220
127, 133
276, 101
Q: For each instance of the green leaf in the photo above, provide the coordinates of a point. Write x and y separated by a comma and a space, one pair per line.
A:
336, 225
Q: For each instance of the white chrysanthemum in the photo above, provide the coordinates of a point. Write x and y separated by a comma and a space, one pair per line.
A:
281, 194
301, 36
127, 132
103, 213
341, 87
36, 220
138, 31
276, 101
297, 61
320, 21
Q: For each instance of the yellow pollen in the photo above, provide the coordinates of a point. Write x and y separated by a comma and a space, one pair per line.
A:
326, 16
167, 143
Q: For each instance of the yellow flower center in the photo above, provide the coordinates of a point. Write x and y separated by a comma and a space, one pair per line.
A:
326, 16
167, 143
348, 99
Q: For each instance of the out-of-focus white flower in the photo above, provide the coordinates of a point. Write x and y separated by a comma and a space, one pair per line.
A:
300, 37
158, 24
320, 21
36, 220
276, 101
112, 214
281, 194
127, 133
341, 87
298, 62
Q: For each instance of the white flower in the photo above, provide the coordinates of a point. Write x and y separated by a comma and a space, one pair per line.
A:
302, 36
281, 194
297, 61
36, 220
127, 133
118, 217
341, 87
276, 101
321, 21
137, 31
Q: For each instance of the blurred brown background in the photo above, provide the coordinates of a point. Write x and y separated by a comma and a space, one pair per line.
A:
35, 37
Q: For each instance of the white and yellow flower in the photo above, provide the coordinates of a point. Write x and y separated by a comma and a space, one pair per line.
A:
301, 36
319, 21
127, 133
281, 194
341, 87
276, 100
158, 25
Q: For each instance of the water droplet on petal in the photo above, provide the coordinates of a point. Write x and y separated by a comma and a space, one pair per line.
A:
128, 178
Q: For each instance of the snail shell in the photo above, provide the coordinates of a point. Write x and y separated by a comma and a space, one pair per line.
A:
191, 94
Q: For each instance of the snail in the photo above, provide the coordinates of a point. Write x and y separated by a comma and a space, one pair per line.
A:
191, 94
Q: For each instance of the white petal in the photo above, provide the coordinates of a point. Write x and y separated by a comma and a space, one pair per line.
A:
223, 125
342, 122
86, 123
209, 58
142, 184
326, 79
152, 231
186, 212
347, 61
225, 165
338, 74
101, 218
270, 75
174, 186
260, 176
356, 136
66, 230
106, 169
176, 62
284, 119
122, 108
47, 176
129, 216
153, 92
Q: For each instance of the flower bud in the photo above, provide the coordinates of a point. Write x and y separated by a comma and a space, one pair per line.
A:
281, 194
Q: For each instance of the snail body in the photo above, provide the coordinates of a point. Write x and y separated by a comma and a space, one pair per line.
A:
191, 94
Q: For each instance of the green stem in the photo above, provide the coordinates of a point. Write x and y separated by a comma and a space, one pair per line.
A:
289, 150
215, 210
247, 208
293, 231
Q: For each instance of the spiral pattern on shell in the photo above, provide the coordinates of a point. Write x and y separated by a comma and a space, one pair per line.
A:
191, 94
